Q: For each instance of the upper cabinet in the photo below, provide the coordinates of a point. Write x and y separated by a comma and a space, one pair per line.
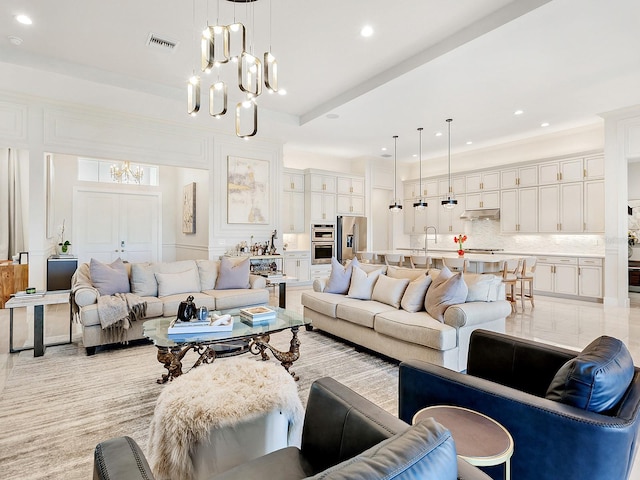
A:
322, 183
457, 186
478, 182
350, 186
571, 170
594, 167
519, 177
292, 180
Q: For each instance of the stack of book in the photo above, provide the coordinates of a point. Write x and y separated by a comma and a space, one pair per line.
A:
254, 315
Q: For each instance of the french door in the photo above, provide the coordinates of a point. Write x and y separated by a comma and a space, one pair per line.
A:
108, 225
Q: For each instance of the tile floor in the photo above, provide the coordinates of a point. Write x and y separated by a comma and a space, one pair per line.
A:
569, 323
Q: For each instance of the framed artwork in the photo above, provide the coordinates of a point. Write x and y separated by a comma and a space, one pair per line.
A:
247, 190
189, 208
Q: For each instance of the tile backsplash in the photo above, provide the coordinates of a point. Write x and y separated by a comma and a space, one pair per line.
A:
486, 234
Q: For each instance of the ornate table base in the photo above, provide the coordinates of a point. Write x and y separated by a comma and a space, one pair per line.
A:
171, 357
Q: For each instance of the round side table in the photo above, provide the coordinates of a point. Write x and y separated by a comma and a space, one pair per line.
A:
480, 440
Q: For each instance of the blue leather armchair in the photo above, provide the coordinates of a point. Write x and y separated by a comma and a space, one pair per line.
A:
507, 379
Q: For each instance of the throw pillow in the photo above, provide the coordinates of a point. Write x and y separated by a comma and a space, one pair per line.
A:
413, 298
482, 287
143, 281
174, 283
362, 283
208, 271
233, 275
596, 379
340, 276
109, 279
389, 290
403, 272
446, 290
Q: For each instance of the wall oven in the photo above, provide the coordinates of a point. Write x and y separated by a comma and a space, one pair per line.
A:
322, 243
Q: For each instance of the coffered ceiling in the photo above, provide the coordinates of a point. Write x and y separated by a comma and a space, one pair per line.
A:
561, 62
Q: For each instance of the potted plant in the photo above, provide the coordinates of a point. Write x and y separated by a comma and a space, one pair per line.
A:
63, 245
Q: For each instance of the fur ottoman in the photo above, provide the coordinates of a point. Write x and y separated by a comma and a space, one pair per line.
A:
220, 415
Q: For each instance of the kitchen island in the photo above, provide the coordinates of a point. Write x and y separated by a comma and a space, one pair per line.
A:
478, 262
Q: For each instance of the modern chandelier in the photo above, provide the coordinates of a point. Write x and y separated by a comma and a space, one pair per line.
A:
227, 44
450, 201
421, 204
123, 173
396, 206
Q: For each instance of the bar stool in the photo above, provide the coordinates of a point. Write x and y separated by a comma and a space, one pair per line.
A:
456, 264
420, 261
526, 279
367, 257
394, 259
510, 271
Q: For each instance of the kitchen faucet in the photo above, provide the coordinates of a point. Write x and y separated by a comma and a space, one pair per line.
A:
426, 236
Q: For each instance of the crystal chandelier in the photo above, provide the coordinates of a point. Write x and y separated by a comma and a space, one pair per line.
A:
124, 174
222, 44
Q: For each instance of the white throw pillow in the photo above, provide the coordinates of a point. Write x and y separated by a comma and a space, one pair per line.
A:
174, 283
208, 271
389, 290
143, 280
446, 290
413, 298
482, 287
403, 272
362, 283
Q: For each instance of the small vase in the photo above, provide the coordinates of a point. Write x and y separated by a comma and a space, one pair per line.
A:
460, 253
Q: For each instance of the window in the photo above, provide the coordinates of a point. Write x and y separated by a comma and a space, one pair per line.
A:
108, 171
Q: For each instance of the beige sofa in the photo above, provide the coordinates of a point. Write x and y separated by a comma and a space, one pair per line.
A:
404, 335
161, 300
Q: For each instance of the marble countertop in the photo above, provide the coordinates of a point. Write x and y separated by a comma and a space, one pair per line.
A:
403, 250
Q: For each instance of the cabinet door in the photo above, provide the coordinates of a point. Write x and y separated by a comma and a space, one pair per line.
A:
571, 207
433, 212
343, 204
509, 178
528, 176
410, 190
509, 211
290, 266
322, 207
357, 205
594, 206
490, 180
490, 199
293, 182
348, 186
548, 204
548, 173
304, 267
420, 219
297, 212
329, 207
590, 281
571, 170
472, 183
543, 278
527, 210
322, 183
445, 221
408, 216
593, 167
566, 279
473, 200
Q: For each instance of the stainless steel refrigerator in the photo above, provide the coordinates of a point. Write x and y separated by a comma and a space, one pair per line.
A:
351, 237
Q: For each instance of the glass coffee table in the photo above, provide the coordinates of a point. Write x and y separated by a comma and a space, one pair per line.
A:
241, 339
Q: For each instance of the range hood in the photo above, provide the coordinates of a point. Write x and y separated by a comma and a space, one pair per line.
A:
481, 213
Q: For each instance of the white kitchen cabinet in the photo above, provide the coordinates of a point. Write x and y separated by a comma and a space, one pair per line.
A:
350, 186
449, 221
350, 205
292, 180
556, 275
571, 170
415, 189
322, 183
560, 208
297, 265
590, 277
594, 206
483, 200
415, 221
292, 204
594, 167
458, 186
519, 210
322, 207
519, 177
482, 181
319, 271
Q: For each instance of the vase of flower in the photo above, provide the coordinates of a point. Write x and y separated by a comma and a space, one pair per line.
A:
460, 239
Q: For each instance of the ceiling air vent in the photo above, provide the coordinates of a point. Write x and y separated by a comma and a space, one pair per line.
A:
164, 43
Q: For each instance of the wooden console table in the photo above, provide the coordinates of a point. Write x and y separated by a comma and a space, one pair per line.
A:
13, 278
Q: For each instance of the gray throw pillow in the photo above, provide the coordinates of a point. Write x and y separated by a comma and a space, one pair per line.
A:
413, 298
143, 280
233, 275
446, 290
109, 279
340, 277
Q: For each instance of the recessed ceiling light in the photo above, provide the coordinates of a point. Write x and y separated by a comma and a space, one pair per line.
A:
282, 91
366, 31
23, 19
438, 134
15, 40
415, 155
384, 149
469, 142
518, 112
544, 124
332, 116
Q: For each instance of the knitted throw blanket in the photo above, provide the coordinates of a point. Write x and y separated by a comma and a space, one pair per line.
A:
216, 396
117, 311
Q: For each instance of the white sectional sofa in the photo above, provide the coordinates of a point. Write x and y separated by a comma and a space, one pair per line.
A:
405, 335
162, 286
